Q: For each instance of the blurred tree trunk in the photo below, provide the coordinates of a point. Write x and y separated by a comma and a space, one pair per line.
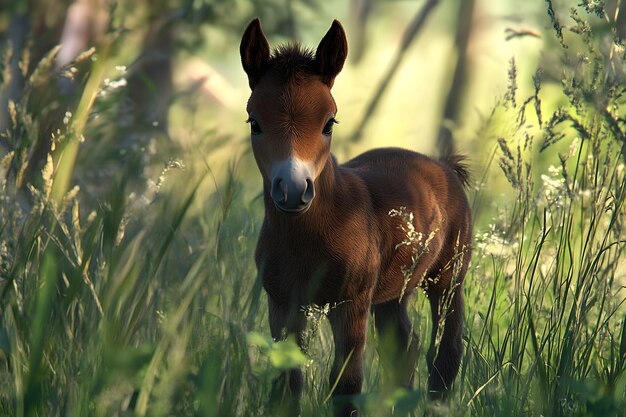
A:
621, 21
32, 32
616, 12
14, 84
360, 12
288, 25
85, 25
454, 101
409, 35
616, 15
150, 86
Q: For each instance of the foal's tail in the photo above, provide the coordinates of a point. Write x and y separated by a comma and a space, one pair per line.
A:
458, 163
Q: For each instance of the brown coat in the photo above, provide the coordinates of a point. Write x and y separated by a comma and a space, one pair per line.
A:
337, 234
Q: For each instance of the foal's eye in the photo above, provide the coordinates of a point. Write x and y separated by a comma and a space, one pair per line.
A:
255, 129
328, 128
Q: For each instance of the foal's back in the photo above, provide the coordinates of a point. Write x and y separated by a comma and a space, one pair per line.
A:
431, 190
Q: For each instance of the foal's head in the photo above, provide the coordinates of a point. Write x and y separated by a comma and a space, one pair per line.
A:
291, 112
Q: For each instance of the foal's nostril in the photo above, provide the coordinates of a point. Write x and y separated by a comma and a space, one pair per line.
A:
309, 191
279, 190
291, 187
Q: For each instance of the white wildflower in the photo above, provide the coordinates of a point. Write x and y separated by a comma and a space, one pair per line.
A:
492, 243
110, 85
116, 83
553, 186
413, 239
574, 146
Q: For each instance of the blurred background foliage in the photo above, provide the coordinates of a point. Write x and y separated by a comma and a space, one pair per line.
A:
171, 79
130, 200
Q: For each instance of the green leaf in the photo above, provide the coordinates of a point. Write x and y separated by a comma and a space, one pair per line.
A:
258, 340
283, 355
286, 355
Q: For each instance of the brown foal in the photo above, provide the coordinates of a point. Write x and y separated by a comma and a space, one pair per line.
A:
337, 233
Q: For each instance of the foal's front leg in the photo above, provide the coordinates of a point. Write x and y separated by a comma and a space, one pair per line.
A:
349, 325
398, 344
286, 320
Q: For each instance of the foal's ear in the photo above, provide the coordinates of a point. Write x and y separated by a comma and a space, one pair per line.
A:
255, 52
331, 53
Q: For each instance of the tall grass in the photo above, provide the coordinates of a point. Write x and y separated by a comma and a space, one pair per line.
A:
118, 301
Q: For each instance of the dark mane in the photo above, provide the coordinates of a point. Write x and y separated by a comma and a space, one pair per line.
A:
293, 62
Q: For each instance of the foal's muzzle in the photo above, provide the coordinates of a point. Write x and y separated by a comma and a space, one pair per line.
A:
292, 186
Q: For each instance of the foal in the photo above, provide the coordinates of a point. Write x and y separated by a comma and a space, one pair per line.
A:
329, 235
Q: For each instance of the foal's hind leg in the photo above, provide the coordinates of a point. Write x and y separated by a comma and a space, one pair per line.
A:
286, 389
349, 324
398, 345
444, 354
